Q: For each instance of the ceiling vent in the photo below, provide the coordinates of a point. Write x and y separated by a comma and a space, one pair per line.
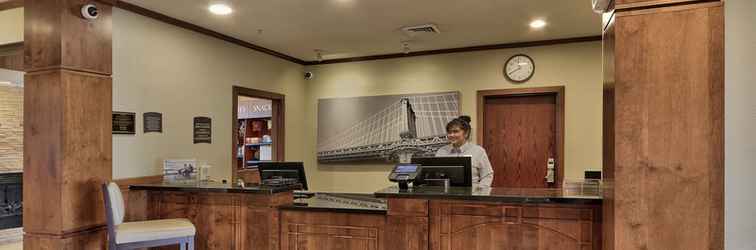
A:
421, 29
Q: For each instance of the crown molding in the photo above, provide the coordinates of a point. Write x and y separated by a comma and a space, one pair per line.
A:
205, 31
461, 50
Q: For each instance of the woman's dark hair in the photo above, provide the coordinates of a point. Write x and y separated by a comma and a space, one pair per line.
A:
462, 122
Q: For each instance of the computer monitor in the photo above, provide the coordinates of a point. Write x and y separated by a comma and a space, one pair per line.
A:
294, 170
457, 169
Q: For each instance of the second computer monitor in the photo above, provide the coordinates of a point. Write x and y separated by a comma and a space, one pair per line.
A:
293, 170
457, 169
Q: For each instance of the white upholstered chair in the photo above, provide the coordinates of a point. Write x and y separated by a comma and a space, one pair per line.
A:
141, 234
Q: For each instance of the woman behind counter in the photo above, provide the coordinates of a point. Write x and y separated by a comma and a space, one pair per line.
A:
458, 133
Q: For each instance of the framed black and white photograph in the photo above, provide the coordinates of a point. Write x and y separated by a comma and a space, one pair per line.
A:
180, 170
384, 128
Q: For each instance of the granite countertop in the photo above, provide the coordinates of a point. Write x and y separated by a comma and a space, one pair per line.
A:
340, 202
577, 195
213, 187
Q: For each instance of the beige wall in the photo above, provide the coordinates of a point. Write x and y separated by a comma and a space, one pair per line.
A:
740, 121
162, 68
576, 66
12, 26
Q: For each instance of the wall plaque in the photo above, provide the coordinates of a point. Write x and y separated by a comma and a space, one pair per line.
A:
153, 122
202, 130
124, 123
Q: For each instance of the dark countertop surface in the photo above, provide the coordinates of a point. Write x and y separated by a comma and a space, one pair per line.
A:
212, 187
574, 195
341, 203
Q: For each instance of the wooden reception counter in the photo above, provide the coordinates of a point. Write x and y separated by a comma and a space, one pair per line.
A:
420, 218
493, 218
226, 217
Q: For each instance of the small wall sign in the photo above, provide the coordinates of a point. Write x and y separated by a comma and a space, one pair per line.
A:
153, 122
254, 108
202, 130
124, 123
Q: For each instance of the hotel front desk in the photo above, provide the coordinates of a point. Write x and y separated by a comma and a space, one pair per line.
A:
260, 217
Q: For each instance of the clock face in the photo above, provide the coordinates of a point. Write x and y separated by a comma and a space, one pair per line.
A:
519, 68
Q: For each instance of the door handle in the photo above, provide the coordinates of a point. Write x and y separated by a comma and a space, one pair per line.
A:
550, 171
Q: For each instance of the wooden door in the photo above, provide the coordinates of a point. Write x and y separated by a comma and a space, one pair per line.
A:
520, 137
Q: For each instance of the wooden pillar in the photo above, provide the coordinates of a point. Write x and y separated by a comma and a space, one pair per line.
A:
67, 127
668, 75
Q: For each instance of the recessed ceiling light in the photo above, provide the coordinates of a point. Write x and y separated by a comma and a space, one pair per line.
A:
220, 9
537, 24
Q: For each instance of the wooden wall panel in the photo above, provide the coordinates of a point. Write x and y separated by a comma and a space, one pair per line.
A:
260, 228
223, 221
409, 207
42, 172
332, 231
217, 219
407, 224
480, 225
87, 150
669, 128
66, 154
407, 232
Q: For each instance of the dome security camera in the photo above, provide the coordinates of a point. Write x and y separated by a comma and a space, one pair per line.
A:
89, 12
309, 75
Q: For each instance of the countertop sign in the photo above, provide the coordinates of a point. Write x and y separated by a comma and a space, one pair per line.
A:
153, 122
202, 130
124, 123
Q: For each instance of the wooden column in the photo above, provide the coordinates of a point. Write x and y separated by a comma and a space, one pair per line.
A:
67, 127
668, 65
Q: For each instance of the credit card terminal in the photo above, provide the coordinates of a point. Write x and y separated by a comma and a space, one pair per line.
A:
403, 174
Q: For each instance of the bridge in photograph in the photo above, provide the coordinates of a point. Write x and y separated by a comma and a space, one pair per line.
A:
412, 125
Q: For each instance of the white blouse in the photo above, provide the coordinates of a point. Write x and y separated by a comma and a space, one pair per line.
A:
482, 172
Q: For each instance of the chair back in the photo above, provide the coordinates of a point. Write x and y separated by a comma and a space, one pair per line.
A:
114, 208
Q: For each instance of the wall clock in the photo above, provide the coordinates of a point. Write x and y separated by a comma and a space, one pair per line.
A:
519, 68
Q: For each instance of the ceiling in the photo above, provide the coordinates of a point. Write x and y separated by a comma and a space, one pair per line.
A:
353, 28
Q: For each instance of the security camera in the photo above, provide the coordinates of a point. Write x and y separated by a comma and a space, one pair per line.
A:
309, 75
89, 12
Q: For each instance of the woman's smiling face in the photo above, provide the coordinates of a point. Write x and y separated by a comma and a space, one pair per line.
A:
456, 136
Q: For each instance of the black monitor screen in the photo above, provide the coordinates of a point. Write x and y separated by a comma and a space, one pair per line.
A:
293, 170
457, 169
